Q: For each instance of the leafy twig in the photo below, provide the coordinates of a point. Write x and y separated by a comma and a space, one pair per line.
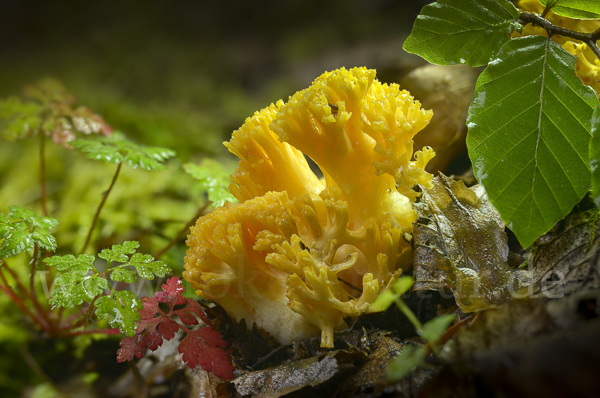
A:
587, 38
183, 230
95, 220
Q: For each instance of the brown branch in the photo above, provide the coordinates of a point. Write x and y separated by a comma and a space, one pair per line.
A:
187, 226
95, 220
587, 38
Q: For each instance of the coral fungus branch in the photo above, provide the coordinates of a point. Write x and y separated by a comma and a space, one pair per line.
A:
299, 255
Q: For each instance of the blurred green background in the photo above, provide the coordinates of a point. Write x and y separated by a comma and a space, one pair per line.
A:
184, 73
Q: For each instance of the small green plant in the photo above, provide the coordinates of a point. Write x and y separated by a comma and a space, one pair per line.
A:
81, 282
411, 357
117, 149
79, 291
46, 110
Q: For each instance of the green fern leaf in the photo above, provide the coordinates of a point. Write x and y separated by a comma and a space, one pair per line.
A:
117, 149
21, 229
214, 180
121, 308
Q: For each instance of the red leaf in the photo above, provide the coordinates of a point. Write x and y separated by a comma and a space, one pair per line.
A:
196, 351
198, 310
153, 339
220, 361
168, 328
136, 345
187, 318
210, 336
130, 347
171, 293
150, 308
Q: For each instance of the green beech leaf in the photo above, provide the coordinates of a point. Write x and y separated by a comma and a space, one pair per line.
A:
21, 229
529, 129
121, 308
580, 9
435, 328
595, 155
214, 179
468, 32
115, 148
405, 362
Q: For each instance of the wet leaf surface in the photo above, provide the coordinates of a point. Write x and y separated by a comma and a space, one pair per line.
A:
567, 258
460, 244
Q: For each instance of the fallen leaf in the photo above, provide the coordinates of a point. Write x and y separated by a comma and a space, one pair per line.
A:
460, 244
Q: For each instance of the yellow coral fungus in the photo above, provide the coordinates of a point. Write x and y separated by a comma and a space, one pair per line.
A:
587, 66
296, 255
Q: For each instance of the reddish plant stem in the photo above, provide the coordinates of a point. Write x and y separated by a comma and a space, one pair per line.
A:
41, 311
4, 286
186, 228
43, 174
97, 215
84, 319
103, 331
